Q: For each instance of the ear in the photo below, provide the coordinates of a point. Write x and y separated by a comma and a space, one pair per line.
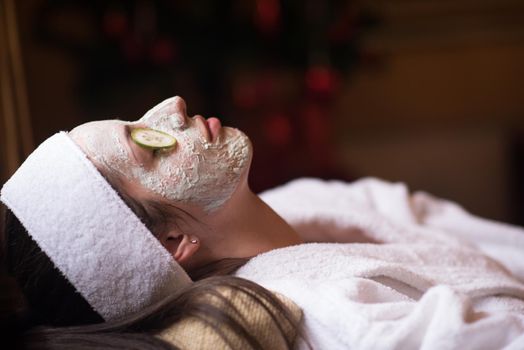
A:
181, 246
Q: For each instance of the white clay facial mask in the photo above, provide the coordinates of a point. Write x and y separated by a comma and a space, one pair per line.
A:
201, 169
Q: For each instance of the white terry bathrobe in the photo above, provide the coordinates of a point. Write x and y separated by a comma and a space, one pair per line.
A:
416, 272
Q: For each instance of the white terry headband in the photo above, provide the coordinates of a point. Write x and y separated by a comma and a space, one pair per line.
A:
89, 233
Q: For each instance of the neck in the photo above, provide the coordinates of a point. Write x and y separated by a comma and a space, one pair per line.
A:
250, 228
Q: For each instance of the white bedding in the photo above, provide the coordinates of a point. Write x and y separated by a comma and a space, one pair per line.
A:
417, 272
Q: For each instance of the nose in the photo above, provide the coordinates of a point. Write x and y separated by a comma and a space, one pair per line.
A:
178, 109
174, 105
178, 103
171, 110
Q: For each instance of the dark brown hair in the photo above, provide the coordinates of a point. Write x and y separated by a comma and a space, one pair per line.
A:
137, 331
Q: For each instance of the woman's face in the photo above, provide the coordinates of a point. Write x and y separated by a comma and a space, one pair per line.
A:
203, 169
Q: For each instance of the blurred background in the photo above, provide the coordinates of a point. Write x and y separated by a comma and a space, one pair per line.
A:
427, 92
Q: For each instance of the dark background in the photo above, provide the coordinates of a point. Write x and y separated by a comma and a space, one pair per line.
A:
427, 92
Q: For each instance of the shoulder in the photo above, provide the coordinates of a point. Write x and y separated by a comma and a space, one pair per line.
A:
305, 192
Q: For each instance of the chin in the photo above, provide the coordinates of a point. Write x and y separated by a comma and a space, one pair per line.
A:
247, 167
248, 158
249, 146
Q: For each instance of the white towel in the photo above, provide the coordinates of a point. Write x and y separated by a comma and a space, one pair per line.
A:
88, 232
424, 287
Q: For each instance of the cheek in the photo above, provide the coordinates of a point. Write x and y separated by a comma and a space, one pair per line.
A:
218, 175
174, 177
198, 173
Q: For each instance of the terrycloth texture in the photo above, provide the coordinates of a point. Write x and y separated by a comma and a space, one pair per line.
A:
88, 232
192, 333
423, 280
371, 210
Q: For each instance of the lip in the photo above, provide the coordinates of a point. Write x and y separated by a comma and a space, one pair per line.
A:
201, 124
213, 125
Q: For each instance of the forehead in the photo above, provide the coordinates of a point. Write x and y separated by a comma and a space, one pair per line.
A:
97, 136
97, 130
97, 127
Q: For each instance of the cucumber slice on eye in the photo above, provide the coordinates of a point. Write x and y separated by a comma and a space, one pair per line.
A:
152, 139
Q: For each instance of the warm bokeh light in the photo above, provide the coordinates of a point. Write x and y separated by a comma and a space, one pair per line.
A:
425, 92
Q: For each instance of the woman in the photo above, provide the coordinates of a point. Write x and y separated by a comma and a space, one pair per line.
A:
194, 197
112, 264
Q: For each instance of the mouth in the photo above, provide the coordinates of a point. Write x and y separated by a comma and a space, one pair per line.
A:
210, 128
